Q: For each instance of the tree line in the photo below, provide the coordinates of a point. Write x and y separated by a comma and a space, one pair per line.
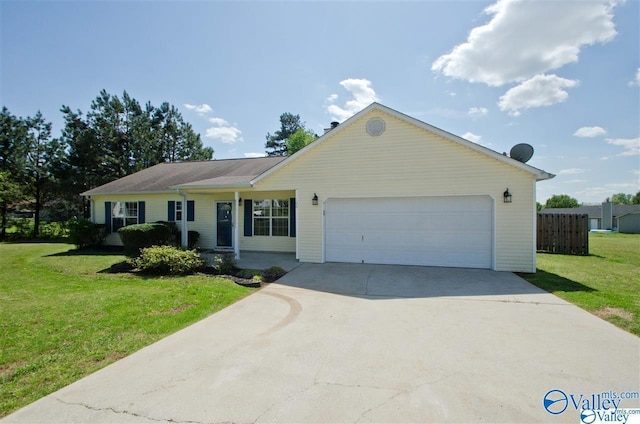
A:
566, 201
116, 137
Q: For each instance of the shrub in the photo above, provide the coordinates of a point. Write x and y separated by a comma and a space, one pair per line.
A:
225, 264
193, 237
84, 233
168, 260
272, 273
138, 236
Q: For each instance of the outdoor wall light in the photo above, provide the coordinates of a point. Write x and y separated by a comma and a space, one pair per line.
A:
240, 201
314, 200
507, 196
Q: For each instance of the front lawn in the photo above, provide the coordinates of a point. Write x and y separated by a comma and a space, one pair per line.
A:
605, 283
62, 316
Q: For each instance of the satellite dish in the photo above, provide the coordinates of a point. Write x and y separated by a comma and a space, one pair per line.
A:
521, 152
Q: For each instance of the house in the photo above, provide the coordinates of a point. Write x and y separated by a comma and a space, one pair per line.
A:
382, 187
601, 217
629, 223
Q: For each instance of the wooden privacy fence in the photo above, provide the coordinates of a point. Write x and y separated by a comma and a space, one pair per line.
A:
563, 233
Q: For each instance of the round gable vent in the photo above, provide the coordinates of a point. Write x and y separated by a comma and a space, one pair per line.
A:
375, 126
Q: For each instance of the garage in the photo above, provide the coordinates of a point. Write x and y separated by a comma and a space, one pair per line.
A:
449, 231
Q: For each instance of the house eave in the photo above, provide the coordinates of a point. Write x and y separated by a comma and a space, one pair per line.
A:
118, 193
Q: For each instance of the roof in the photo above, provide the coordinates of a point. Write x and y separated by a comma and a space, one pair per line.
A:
166, 177
594, 211
539, 173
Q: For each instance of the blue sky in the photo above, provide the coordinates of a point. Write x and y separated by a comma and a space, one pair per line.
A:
563, 76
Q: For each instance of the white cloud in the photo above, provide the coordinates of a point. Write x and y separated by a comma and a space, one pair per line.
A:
478, 112
541, 90
362, 93
228, 135
577, 181
631, 145
218, 122
511, 47
636, 81
589, 132
255, 155
472, 137
202, 109
571, 171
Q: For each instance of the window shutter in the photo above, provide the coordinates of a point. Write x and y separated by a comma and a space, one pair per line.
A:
141, 212
248, 217
171, 210
107, 216
292, 217
191, 210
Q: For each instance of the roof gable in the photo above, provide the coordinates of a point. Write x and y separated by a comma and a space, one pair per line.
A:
539, 174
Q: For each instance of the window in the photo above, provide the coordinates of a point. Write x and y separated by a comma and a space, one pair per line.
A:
123, 214
271, 217
178, 211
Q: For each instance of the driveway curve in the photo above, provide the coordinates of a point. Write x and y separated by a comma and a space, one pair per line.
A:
367, 343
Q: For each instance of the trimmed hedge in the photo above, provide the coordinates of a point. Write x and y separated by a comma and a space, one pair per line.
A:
168, 260
138, 236
84, 233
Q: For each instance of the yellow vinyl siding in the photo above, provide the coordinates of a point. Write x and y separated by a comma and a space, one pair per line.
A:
406, 161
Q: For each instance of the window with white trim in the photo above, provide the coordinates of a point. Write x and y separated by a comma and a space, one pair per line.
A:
178, 211
271, 217
123, 214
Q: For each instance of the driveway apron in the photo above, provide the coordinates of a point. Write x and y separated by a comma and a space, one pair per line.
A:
367, 343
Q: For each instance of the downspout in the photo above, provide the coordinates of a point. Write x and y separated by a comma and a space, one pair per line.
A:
184, 232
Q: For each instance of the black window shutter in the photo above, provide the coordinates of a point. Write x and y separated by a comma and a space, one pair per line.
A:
292, 217
171, 210
191, 210
141, 213
248, 217
107, 216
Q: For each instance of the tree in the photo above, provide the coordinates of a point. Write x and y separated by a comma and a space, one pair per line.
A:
636, 199
622, 199
12, 162
276, 144
561, 201
43, 157
299, 140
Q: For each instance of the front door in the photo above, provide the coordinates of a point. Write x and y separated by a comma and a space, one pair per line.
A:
224, 225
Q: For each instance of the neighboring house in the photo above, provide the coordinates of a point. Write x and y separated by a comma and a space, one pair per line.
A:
382, 187
601, 217
629, 223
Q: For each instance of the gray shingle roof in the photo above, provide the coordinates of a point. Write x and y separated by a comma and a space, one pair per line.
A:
213, 173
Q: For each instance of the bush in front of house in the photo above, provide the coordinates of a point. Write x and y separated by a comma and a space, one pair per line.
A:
168, 260
138, 236
84, 233
272, 274
225, 264
193, 237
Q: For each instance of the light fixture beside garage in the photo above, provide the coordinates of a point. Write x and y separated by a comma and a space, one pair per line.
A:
507, 196
314, 200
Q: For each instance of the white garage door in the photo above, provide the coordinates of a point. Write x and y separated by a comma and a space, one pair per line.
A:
431, 231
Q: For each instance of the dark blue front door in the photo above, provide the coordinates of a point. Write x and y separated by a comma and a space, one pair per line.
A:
224, 224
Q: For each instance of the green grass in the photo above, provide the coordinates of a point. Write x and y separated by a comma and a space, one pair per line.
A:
605, 283
62, 316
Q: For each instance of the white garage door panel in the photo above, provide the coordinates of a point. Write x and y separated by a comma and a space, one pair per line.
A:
432, 231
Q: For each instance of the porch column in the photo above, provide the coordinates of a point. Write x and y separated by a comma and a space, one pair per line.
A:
184, 231
236, 226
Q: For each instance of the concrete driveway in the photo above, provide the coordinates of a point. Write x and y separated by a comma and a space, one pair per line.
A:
367, 343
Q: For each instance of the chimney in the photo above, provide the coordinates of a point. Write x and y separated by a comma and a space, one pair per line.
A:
333, 125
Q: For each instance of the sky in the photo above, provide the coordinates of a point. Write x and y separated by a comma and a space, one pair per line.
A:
562, 76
